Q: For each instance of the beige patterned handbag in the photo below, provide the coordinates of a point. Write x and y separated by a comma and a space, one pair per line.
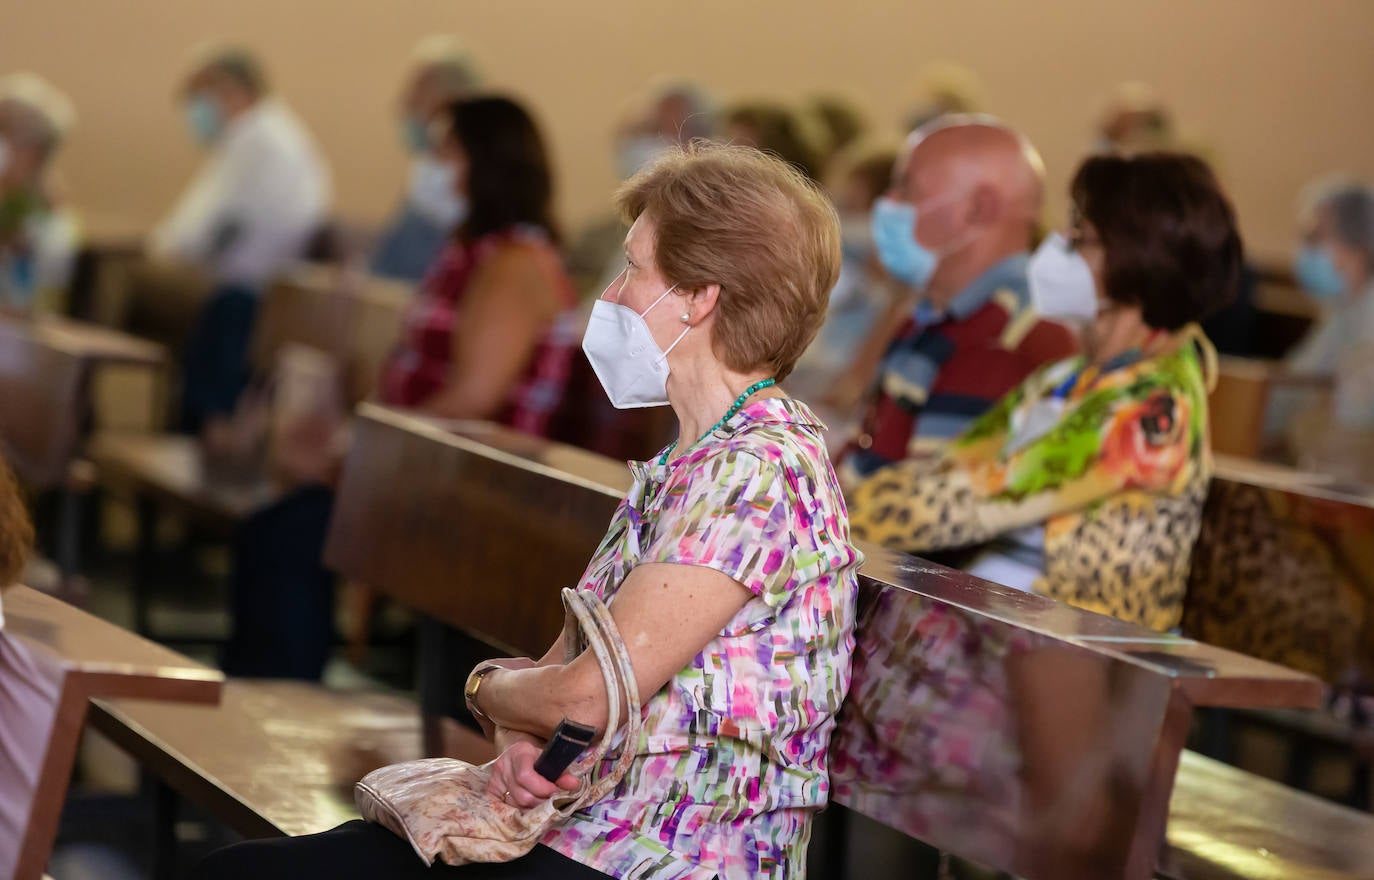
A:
441, 805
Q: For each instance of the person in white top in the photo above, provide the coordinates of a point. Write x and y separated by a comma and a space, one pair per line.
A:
1335, 265
37, 234
264, 189
251, 209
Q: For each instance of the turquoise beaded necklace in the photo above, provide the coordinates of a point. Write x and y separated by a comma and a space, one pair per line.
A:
729, 414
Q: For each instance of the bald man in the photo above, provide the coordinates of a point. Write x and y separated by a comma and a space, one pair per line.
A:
955, 231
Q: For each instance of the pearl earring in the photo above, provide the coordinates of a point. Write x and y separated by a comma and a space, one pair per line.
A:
686, 317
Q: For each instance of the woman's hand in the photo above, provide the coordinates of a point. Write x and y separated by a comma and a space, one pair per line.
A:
513, 778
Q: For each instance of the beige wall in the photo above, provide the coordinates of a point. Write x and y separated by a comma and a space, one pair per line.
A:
1280, 90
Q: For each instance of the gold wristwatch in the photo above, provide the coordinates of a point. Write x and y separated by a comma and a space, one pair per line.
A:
474, 684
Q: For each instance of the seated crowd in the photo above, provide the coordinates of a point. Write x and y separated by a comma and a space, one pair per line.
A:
1028, 405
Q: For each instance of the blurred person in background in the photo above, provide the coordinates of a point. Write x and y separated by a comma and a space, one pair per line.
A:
944, 89
776, 128
954, 231
251, 209
1136, 120
38, 236
840, 124
443, 71
1334, 433
490, 335
672, 115
1086, 483
864, 290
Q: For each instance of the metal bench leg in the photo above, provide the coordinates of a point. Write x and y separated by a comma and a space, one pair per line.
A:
145, 560
70, 509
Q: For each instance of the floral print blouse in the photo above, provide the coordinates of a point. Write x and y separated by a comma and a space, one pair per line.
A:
732, 761
1114, 462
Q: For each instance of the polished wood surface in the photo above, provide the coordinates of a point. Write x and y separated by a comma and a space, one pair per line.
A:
46, 369
171, 468
54, 659
275, 757
1237, 406
42, 405
442, 522
353, 317
96, 344
480, 526
1283, 570
1225, 824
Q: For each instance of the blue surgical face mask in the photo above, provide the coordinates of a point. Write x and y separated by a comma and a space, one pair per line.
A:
204, 118
1317, 273
894, 235
415, 134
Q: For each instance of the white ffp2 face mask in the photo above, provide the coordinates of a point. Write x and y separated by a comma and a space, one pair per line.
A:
1061, 283
623, 353
434, 194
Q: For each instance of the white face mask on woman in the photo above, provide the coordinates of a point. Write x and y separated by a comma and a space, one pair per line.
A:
1061, 282
623, 353
434, 194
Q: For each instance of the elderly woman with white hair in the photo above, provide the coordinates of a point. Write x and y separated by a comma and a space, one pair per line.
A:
37, 236
1335, 265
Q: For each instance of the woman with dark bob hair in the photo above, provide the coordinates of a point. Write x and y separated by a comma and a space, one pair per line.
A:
727, 568
490, 334
1087, 482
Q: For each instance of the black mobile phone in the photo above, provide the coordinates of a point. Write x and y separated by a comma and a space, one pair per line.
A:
569, 741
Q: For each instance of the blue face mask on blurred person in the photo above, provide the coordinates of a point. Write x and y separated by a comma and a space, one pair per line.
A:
204, 118
894, 235
1317, 273
415, 134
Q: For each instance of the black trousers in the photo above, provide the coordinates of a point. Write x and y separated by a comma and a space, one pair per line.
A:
282, 596
359, 851
216, 368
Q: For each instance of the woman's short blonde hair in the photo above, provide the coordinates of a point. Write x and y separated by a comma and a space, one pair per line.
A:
754, 225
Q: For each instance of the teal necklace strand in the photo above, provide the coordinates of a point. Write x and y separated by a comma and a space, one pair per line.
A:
729, 414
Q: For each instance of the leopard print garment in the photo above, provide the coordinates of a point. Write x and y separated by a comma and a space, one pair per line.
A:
1269, 580
1128, 557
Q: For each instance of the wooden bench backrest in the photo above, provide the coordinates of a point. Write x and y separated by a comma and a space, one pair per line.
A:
958, 683
355, 319
1285, 572
41, 397
53, 660
1237, 407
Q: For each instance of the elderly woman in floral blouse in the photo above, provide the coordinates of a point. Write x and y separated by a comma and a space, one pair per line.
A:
728, 567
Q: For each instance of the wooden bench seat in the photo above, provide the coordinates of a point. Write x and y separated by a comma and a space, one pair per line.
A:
170, 469
1226, 824
275, 757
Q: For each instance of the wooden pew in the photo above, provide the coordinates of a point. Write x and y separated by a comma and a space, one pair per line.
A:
54, 659
479, 527
275, 758
48, 367
1283, 570
1239, 405
354, 319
